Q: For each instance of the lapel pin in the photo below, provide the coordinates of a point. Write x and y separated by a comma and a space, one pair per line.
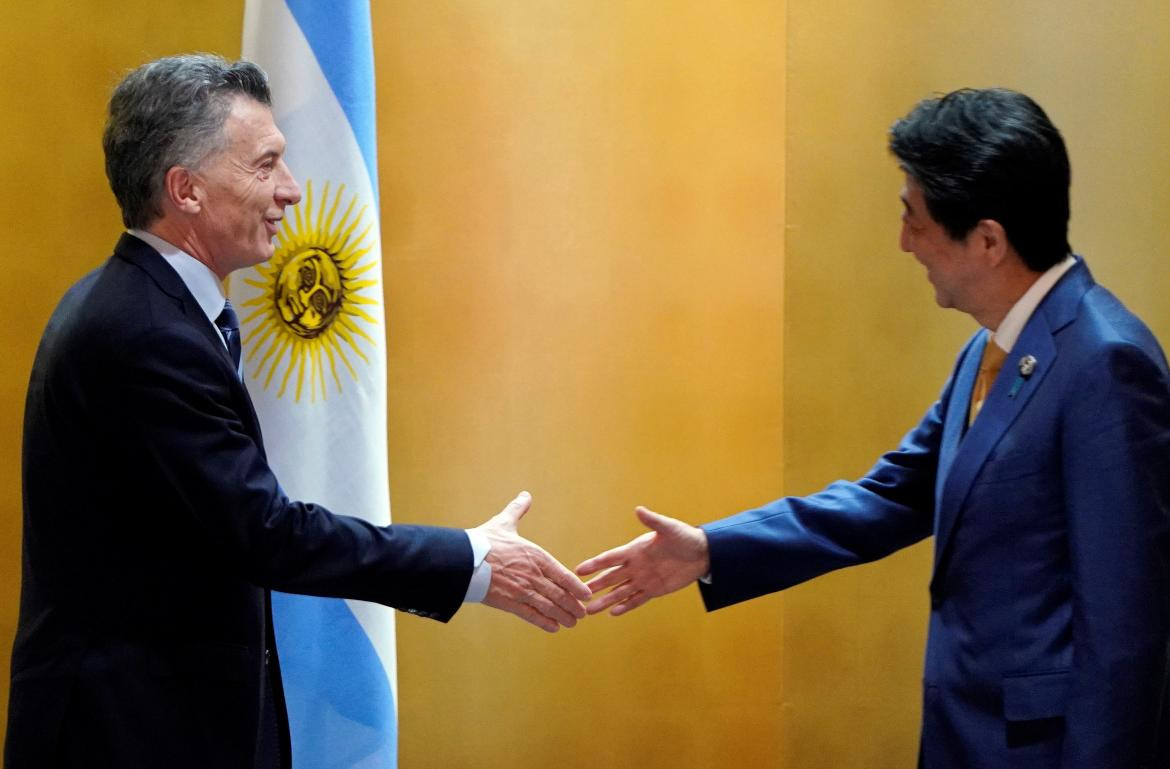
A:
1026, 366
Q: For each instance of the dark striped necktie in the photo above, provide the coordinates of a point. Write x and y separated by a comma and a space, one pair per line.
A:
229, 325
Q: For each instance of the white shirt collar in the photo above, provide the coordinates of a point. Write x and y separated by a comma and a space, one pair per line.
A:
196, 276
1017, 317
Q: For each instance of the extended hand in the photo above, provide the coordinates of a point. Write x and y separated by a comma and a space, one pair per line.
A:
670, 556
526, 580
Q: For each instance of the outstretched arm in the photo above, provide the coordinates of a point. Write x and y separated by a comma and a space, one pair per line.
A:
670, 556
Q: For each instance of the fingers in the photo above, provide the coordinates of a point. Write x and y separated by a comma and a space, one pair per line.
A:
540, 610
554, 583
615, 557
527, 581
608, 578
629, 605
606, 560
549, 593
531, 584
566, 580
531, 615
573, 589
554, 611
655, 522
619, 555
622, 599
612, 598
515, 510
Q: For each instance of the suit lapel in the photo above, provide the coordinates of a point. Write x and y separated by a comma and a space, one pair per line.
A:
962, 456
140, 254
149, 261
955, 424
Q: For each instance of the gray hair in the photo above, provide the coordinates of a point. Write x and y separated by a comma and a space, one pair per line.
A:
170, 112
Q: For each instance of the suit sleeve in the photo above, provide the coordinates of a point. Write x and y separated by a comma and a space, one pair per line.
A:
1117, 485
180, 410
795, 539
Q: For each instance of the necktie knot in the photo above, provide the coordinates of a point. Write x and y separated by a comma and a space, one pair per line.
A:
993, 358
989, 366
228, 324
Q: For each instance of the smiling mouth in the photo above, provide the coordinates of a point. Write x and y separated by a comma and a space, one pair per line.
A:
271, 226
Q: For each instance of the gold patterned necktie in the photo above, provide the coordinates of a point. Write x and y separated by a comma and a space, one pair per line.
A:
989, 366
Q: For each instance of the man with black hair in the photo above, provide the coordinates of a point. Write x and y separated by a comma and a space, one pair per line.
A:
1043, 472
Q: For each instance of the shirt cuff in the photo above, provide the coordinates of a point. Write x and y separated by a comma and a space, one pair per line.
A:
481, 575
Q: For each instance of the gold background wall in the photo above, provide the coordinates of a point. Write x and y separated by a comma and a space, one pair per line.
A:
583, 230
593, 280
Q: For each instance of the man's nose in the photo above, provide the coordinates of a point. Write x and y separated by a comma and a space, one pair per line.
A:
288, 192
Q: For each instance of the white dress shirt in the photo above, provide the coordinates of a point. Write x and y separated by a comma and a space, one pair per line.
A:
1017, 317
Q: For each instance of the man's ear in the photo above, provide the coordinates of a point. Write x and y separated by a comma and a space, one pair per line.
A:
991, 239
183, 190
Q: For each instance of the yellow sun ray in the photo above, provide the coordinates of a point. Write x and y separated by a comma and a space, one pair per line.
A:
344, 335
359, 313
269, 329
317, 367
279, 347
343, 329
332, 369
333, 208
333, 343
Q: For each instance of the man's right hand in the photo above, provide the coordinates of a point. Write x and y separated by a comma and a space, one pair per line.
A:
526, 580
669, 557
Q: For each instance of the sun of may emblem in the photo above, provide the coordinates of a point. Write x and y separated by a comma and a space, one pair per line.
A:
308, 315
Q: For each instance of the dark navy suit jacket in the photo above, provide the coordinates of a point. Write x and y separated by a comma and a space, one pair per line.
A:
153, 530
1050, 597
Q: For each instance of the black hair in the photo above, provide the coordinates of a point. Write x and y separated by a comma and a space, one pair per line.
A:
990, 154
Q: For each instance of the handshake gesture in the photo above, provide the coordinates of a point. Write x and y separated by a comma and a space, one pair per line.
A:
530, 583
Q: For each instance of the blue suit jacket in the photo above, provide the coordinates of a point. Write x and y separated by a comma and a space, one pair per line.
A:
153, 530
1050, 597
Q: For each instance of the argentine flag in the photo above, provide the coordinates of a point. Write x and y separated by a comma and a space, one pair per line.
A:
314, 360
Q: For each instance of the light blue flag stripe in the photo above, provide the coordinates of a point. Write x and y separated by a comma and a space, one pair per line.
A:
340, 706
340, 35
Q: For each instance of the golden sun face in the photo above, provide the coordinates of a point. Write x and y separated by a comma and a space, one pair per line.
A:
308, 315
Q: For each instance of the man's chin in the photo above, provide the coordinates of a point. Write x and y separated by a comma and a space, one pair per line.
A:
257, 258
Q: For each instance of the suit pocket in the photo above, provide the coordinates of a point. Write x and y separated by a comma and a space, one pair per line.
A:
1034, 696
1011, 462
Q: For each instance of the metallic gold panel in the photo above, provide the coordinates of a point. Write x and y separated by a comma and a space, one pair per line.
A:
583, 221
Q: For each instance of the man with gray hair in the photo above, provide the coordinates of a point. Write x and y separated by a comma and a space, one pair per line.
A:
153, 526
